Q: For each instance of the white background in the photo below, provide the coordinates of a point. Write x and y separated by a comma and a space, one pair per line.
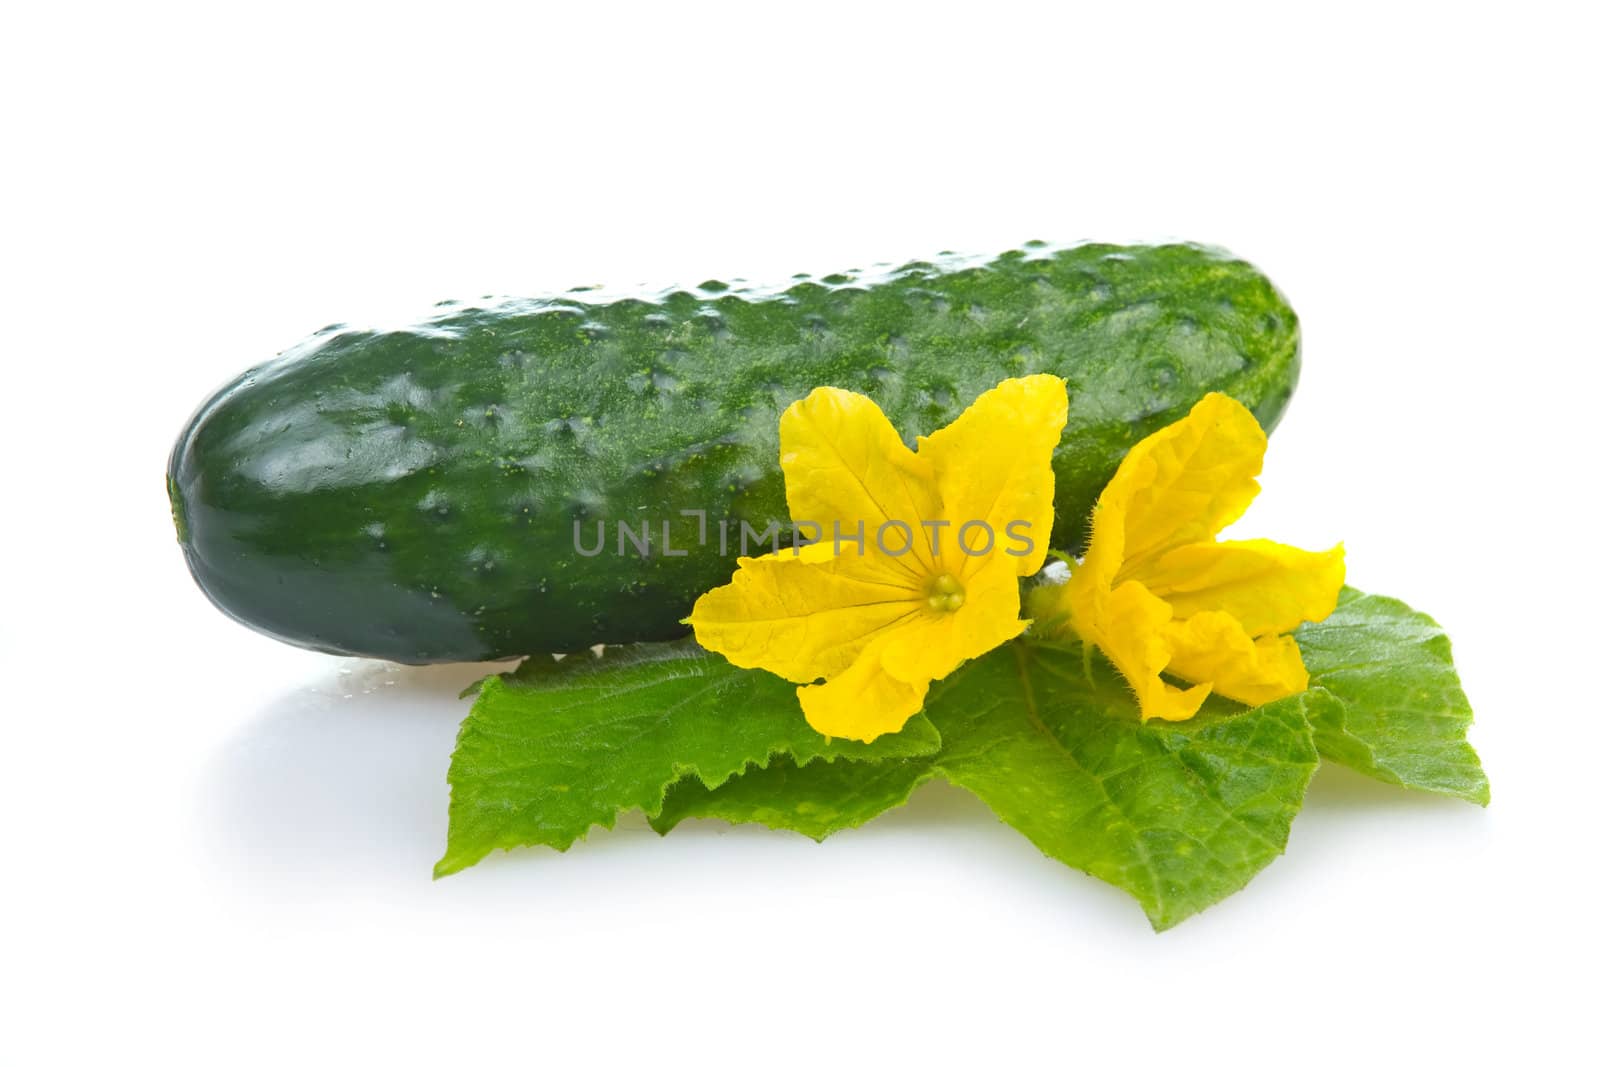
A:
217, 848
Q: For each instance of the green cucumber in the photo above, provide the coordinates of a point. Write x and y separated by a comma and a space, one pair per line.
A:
412, 495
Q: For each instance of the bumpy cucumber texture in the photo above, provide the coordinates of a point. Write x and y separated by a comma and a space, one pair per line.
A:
413, 494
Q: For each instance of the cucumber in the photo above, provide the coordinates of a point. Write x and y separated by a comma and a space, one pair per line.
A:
412, 495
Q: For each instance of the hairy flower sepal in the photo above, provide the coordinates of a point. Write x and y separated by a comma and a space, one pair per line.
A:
927, 576
1159, 595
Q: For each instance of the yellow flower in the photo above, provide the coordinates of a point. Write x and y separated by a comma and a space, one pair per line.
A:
1158, 594
920, 552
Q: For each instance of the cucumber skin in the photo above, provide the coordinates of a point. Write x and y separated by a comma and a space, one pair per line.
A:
410, 495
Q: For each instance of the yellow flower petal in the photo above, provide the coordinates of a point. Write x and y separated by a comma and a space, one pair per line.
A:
1156, 594
843, 462
864, 701
873, 609
863, 565
1130, 625
1184, 483
802, 617
941, 641
1269, 588
993, 467
1214, 647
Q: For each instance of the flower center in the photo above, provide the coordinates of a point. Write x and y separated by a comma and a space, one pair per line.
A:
945, 594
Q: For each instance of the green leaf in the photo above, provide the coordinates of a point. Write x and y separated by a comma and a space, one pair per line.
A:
559, 746
1178, 814
1400, 715
815, 800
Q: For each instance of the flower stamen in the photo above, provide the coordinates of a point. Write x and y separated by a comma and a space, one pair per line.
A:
945, 594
